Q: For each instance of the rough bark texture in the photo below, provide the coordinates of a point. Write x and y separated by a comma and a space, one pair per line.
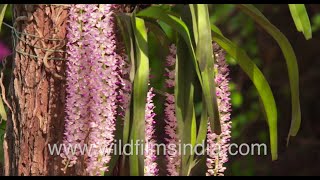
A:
36, 92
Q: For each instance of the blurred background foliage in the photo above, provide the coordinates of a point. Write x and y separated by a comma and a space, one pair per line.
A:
302, 157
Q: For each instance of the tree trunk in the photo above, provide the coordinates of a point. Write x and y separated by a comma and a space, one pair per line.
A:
37, 91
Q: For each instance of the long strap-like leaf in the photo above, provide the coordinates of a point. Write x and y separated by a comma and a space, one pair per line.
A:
179, 26
206, 63
175, 23
140, 88
184, 93
3, 8
260, 83
290, 58
301, 19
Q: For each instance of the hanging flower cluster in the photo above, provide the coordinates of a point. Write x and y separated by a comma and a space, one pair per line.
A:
76, 126
150, 165
171, 127
93, 78
218, 144
99, 91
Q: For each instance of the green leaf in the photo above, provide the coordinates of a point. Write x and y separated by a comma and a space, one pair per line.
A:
202, 132
3, 113
124, 22
301, 19
140, 88
159, 33
192, 164
205, 58
3, 8
194, 12
216, 29
199, 167
178, 25
184, 93
193, 127
260, 83
291, 62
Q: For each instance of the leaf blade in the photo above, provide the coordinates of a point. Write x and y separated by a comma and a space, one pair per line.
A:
178, 25
205, 58
140, 88
291, 61
301, 19
125, 21
202, 132
184, 93
3, 8
260, 83
3, 112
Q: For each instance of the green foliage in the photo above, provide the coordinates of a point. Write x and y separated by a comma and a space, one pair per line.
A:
184, 94
291, 61
3, 113
124, 22
206, 63
140, 89
301, 19
3, 8
259, 81
239, 55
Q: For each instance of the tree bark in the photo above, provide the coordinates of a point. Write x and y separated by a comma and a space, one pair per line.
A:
37, 91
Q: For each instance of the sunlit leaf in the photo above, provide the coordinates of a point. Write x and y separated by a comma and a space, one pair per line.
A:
3, 113
194, 12
260, 83
3, 8
205, 58
301, 19
140, 88
290, 58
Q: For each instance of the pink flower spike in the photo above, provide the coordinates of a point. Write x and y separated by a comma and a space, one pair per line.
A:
94, 85
150, 165
171, 130
218, 144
